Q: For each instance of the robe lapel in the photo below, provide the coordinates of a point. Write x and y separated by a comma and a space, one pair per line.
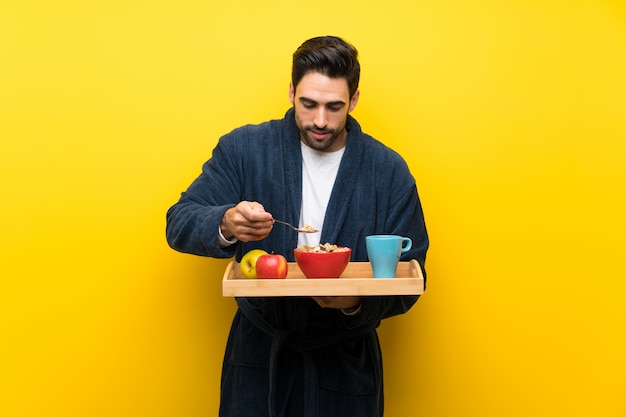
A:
293, 168
346, 181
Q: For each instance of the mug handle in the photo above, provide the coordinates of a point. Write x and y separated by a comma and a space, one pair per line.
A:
406, 244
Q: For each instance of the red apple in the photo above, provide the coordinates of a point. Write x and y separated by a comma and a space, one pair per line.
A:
271, 266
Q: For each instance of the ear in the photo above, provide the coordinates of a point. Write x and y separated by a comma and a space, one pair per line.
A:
354, 100
292, 93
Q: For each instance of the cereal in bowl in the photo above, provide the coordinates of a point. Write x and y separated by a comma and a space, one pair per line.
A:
326, 247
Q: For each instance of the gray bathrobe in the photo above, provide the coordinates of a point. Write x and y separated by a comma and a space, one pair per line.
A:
287, 356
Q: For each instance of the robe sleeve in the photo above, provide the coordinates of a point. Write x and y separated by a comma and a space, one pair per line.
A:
403, 216
193, 222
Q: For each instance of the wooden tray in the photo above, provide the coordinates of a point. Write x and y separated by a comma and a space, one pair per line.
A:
356, 280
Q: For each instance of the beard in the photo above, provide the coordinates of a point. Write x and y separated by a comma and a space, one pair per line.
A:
308, 135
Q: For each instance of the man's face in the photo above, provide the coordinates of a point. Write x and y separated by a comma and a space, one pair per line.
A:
322, 105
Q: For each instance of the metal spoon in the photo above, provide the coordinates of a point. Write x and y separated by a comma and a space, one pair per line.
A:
303, 230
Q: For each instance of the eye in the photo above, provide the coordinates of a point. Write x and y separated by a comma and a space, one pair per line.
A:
335, 108
308, 105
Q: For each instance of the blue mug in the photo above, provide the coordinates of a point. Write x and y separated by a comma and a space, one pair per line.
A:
384, 253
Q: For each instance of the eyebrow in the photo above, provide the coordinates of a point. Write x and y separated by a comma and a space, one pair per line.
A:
330, 103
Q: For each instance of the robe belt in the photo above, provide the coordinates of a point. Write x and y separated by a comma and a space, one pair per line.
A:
301, 344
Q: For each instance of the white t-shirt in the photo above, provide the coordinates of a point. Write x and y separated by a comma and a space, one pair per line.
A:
319, 171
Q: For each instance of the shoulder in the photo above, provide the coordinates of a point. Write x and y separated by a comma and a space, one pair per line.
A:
374, 150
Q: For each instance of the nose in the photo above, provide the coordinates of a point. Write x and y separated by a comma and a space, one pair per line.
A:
320, 120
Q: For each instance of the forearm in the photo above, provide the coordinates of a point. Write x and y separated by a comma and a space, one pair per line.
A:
375, 309
193, 228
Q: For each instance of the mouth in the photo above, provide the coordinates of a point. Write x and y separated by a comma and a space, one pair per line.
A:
319, 134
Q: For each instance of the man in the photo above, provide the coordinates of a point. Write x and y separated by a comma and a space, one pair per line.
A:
301, 356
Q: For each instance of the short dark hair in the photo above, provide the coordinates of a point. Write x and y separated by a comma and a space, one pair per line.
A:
330, 56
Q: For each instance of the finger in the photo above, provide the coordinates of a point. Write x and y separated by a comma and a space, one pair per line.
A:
247, 233
244, 215
256, 206
254, 212
321, 301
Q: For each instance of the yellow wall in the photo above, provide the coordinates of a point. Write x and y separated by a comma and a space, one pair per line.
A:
511, 114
